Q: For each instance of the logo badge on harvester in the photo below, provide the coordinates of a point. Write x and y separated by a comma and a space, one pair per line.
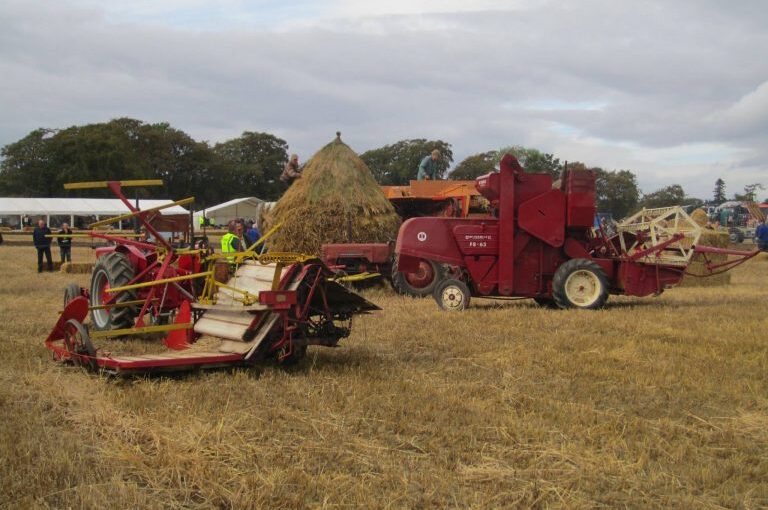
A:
421, 236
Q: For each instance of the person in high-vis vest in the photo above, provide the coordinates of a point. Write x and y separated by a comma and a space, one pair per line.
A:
202, 221
230, 242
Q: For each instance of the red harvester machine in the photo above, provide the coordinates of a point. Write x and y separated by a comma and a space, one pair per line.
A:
273, 305
539, 243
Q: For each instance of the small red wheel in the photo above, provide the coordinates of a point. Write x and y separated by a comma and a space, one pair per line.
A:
78, 344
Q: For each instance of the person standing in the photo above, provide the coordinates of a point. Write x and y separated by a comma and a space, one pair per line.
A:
230, 242
65, 243
43, 245
428, 170
291, 170
761, 236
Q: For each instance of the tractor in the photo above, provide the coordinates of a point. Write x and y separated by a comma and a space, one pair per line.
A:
363, 263
540, 242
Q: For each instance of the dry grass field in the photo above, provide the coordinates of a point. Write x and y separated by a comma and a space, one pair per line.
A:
654, 402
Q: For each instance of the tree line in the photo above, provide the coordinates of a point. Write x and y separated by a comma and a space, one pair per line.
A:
39, 164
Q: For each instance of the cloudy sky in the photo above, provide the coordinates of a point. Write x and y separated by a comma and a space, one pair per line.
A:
675, 91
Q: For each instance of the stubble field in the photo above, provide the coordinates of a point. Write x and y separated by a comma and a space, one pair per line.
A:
653, 402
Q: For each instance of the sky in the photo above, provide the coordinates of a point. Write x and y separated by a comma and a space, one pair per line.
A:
676, 92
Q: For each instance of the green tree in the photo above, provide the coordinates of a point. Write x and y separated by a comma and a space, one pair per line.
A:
532, 160
668, 196
617, 190
255, 161
121, 149
719, 191
398, 163
474, 166
26, 168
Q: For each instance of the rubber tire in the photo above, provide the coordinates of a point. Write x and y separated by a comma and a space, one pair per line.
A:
457, 286
118, 271
402, 286
569, 268
71, 291
298, 354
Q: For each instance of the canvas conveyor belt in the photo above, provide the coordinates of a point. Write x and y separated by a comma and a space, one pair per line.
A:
241, 328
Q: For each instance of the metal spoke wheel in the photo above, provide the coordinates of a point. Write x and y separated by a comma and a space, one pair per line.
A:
420, 283
452, 295
580, 283
78, 344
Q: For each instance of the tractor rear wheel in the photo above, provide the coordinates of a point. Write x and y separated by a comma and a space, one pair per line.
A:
420, 283
112, 270
580, 283
452, 295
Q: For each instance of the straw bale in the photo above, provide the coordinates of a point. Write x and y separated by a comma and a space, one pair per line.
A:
336, 200
700, 217
76, 267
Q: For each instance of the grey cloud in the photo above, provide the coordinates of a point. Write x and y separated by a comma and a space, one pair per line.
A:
668, 75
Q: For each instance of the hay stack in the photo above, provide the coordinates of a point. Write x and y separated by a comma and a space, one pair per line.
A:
709, 237
336, 200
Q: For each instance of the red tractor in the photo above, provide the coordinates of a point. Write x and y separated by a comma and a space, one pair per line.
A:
540, 243
364, 262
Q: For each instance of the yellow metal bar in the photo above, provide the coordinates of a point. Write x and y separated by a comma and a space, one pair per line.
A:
248, 298
126, 216
78, 236
159, 282
104, 184
270, 232
277, 275
356, 277
139, 331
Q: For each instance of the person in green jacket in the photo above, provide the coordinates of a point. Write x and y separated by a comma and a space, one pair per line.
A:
230, 243
428, 167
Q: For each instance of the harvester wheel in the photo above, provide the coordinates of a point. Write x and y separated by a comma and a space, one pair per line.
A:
297, 354
420, 283
78, 343
452, 295
112, 270
71, 291
580, 283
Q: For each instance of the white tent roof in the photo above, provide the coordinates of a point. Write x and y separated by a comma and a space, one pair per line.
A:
247, 207
78, 206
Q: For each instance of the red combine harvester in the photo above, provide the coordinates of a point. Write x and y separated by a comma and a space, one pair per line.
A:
364, 262
540, 244
273, 305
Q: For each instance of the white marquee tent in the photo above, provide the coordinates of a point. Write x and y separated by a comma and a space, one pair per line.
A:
75, 211
248, 208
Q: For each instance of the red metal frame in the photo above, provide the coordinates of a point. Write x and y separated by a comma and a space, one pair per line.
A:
534, 229
296, 309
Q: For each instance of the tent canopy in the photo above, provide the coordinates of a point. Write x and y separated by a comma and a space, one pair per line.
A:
77, 206
248, 207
